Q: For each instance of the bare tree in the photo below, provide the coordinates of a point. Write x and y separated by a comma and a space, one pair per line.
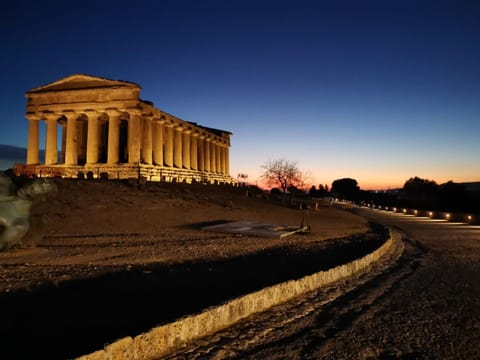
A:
282, 173
304, 180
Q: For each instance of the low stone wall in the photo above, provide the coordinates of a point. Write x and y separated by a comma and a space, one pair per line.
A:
164, 339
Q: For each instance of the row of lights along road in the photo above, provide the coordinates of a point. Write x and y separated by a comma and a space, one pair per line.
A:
460, 217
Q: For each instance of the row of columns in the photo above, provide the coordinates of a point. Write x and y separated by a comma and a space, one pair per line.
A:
175, 146
161, 143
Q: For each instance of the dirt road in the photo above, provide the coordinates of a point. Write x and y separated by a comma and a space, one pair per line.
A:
427, 306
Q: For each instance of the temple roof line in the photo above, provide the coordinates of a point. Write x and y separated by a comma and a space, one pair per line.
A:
81, 81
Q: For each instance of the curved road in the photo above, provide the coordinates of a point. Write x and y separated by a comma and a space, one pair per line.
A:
424, 306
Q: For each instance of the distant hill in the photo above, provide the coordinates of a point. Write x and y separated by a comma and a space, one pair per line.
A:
472, 186
12, 152
10, 155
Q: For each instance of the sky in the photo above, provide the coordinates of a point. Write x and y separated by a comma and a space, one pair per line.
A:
378, 91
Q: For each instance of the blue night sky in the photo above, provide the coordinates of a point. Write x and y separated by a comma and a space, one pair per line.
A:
379, 91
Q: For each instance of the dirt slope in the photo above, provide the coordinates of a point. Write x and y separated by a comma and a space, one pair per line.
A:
87, 228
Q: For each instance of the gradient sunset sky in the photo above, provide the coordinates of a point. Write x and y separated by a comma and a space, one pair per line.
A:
379, 91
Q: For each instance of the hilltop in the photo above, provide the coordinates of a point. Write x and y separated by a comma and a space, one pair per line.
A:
87, 228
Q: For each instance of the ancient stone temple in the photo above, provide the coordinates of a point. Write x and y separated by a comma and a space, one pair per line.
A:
100, 128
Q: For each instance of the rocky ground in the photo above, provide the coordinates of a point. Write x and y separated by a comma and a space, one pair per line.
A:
425, 306
86, 228
129, 248
124, 239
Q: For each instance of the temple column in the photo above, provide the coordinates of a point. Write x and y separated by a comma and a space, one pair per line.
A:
222, 159
201, 152
213, 157
177, 147
51, 152
92, 138
193, 151
113, 137
227, 160
134, 137
168, 153
71, 148
64, 141
147, 140
158, 142
186, 149
33, 140
218, 157
206, 161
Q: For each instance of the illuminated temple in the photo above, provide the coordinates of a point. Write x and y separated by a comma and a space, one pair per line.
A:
100, 128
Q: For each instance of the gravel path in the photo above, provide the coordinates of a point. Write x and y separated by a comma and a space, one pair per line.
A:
425, 306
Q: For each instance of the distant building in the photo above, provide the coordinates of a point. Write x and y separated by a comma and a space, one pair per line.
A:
100, 128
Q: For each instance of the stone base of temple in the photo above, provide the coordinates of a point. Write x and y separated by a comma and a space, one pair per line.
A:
142, 172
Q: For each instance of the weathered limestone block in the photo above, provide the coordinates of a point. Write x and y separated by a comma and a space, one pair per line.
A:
15, 205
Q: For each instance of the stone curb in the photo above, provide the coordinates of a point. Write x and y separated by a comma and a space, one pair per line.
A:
164, 339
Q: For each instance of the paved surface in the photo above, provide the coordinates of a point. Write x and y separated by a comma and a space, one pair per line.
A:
254, 228
424, 306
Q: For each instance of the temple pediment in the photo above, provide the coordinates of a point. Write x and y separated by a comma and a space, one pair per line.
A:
81, 81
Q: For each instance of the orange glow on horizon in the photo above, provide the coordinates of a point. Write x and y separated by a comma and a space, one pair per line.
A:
366, 180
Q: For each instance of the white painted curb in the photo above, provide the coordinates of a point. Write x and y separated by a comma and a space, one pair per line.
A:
164, 339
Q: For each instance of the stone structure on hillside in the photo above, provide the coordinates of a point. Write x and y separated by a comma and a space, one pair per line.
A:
100, 128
